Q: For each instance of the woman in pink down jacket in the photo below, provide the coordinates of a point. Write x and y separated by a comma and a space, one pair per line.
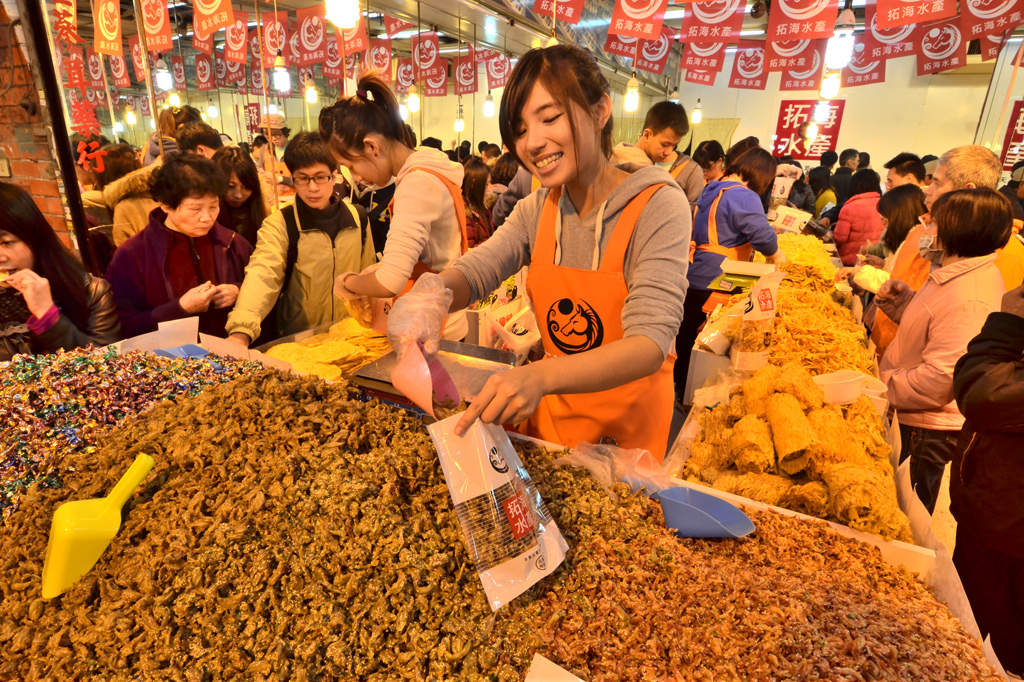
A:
859, 222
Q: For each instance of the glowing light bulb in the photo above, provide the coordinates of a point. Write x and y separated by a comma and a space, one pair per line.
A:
414, 99
403, 111
553, 40
489, 105
152, 124
822, 111
812, 132
632, 102
162, 78
282, 79
129, 117
174, 100
830, 85
696, 115
344, 14
202, 115
118, 127
311, 95
212, 111
839, 49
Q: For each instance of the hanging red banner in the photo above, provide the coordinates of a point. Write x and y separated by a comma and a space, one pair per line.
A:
211, 15
108, 27
482, 54
312, 35
885, 43
437, 85
700, 77
893, 13
204, 73
292, 48
940, 46
718, 21
235, 72
378, 58
425, 55
95, 68
404, 74
703, 57
569, 11
498, 70
624, 46
990, 46
1013, 141
791, 55
653, 54
465, 76
135, 49
351, 64
74, 70
794, 115
984, 17
178, 72
748, 72
202, 44
144, 106
275, 36
256, 80
252, 118
119, 71
803, 19
220, 70
638, 18
65, 24
235, 39
394, 26
356, 39
809, 76
158, 25
863, 69
253, 43
332, 58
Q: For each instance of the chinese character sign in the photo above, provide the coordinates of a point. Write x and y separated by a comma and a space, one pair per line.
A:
893, 13
802, 19
638, 18
158, 25
65, 24
653, 54
624, 46
119, 71
520, 518
235, 37
178, 72
703, 57
275, 36
809, 77
108, 27
203, 44
332, 58
394, 26
569, 11
312, 35
990, 46
700, 77
465, 76
498, 70
940, 47
984, 17
885, 43
718, 21
794, 115
378, 58
425, 55
357, 40
211, 15
1013, 143
74, 71
748, 72
437, 85
404, 74
790, 55
863, 69
252, 118
95, 66
138, 63
482, 54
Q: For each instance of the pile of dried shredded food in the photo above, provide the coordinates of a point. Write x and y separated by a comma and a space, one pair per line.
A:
290, 532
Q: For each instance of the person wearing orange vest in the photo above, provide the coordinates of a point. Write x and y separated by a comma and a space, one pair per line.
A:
366, 134
607, 255
664, 127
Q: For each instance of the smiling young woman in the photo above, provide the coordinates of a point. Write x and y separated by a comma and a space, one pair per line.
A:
607, 252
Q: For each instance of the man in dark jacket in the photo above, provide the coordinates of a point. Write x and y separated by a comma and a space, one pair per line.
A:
987, 481
841, 180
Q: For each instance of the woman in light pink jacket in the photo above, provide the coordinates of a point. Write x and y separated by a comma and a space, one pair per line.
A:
964, 230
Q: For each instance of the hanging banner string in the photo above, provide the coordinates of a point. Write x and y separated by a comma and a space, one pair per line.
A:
266, 105
149, 76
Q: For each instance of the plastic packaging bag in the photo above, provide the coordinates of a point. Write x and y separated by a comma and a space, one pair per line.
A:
518, 335
509, 533
610, 465
750, 349
716, 336
419, 315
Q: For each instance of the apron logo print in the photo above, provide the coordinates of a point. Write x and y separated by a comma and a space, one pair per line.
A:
574, 327
497, 461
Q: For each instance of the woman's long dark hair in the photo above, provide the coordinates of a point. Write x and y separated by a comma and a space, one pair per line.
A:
820, 179
901, 207
505, 168
20, 216
235, 160
474, 185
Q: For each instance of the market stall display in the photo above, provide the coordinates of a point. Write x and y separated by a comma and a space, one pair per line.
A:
340, 351
53, 407
291, 530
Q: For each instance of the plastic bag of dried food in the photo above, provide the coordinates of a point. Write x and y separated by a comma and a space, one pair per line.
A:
610, 464
509, 533
419, 315
750, 348
715, 336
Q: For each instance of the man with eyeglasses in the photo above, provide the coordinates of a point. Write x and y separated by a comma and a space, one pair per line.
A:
289, 282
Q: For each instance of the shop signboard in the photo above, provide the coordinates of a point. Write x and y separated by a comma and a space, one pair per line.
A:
569, 11
863, 69
940, 46
809, 77
108, 27
437, 84
638, 18
1013, 142
703, 57
885, 43
312, 32
204, 73
794, 115
748, 68
624, 46
700, 77
893, 13
718, 21
985, 17
790, 55
802, 19
235, 35
252, 118
378, 58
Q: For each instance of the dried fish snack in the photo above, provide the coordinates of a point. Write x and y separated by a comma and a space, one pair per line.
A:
867, 428
767, 488
797, 381
791, 432
809, 498
750, 445
807, 262
757, 389
833, 441
864, 498
737, 407
817, 333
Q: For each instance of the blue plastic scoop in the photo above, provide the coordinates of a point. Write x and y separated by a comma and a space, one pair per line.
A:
693, 514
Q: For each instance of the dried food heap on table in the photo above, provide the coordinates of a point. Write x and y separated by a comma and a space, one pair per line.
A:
339, 352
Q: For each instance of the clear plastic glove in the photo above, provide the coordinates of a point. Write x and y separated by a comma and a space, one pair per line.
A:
777, 258
341, 291
419, 315
893, 298
787, 170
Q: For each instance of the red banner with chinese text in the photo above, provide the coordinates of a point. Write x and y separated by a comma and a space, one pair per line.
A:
405, 74
212, 15
703, 57
108, 27
498, 70
863, 69
119, 71
378, 58
204, 73
624, 46
940, 46
808, 77
158, 25
1013, 141
885, 43
802, 19
569, 11
791, 55
393, 26
718, 21
437, 85
893, 13
794, 115
638, 18
94, 66
235, 39
700, 77
425, 55
178, 72
312, 35
653, 54
275, 36
748, 68
465, 75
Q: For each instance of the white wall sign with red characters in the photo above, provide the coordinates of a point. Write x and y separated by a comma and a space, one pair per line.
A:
211, 15
790, 55
236, 39
204, 73
863, 69
638, 18
426, 55
1013, 141
108, 27
312, 33
203, 44
498, 70
748, 68
624, 46
465, 76
378, 58
983, 17
356, 39
394, 26
437, 85
94, 68
794, 115
940, 47
405, 74
178, 72
158, 25
809, 77
802, 19
275, 36
885, 43
703, 57
119, 71
332, 58
700, 77
718, 21
893, 13
569, 11
653, 54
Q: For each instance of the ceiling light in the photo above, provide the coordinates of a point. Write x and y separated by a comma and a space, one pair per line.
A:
822, 111
632, 102
282, 79
211, 110
839, 49
489, 105
174, 100
696, 115
129, 117
414, 99
830, 85
162, 78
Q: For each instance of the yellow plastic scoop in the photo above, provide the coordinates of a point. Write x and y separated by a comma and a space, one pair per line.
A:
81, 531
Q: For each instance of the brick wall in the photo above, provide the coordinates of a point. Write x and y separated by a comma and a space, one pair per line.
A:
25, 140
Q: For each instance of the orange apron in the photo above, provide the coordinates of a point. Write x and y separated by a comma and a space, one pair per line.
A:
909, 267
743, 252
679, 169
636, 415
534, 184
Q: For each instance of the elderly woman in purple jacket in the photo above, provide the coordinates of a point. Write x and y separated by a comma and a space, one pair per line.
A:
182, 263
